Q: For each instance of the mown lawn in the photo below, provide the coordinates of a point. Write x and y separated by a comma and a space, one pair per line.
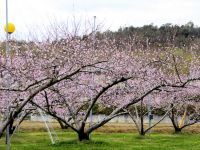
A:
105, 141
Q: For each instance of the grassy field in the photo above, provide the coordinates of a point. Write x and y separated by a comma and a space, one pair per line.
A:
105, 141
33, 137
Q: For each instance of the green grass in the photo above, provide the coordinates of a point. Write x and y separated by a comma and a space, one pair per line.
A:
105, 141
112, 136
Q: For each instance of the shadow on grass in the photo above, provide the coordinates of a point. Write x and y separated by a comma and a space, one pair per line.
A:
76, 142
142, 137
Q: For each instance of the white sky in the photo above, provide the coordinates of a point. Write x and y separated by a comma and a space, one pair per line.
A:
112, 13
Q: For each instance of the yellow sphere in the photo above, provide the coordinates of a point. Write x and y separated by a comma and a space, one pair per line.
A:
11, 28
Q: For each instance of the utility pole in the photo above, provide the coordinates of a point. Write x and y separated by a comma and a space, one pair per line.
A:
7, 61
9, 28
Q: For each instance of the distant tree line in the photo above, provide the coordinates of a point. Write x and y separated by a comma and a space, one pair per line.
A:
153, 37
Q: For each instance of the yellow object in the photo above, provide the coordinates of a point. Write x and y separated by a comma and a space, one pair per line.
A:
11, 28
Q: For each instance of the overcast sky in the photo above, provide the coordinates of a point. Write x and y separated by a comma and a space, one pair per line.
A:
112, 13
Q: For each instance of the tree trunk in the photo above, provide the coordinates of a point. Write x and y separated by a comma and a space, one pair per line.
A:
11, 127
83, 136
172, 117
1, 132
177, 130
142, 126
142, 132
141, 119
